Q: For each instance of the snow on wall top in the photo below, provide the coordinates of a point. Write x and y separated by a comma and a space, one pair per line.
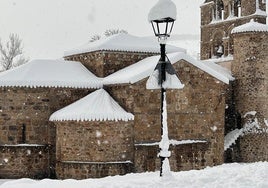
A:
49, 73
122, 42
163, 9
145, 67
97, 106
252, 26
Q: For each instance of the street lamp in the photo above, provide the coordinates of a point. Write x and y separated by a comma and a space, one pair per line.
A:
162, 17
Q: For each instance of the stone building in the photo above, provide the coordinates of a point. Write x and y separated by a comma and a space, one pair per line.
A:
234, 34
219, 17
91, 115
108, 131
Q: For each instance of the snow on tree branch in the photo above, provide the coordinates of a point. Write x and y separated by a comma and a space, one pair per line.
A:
110, 32
11, 54
107, 33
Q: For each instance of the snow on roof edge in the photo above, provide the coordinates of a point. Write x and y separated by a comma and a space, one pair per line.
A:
106, 50
207, 3
121, 43
210, 68
123, 76
51, 85
48, 73
105, 109
251, 26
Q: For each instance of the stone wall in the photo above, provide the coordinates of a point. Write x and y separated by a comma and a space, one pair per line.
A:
98, 145
183, 157
91, 170
104, 63
30, 161
253, 147
249, 7
24, 115
196, 112
250, 69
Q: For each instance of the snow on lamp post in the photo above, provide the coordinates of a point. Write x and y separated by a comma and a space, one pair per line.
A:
162, 17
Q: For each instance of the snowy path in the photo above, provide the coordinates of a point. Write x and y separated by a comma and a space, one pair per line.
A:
253, 175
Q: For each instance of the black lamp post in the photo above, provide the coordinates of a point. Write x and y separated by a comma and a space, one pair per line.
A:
162, 29
162, 17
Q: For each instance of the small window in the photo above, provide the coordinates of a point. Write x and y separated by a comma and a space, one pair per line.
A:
237, 8
23, 134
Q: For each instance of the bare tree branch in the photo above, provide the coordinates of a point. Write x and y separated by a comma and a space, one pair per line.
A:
110, 32
94, 38
12, 51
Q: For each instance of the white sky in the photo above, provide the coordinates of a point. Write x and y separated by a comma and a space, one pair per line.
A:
49, 27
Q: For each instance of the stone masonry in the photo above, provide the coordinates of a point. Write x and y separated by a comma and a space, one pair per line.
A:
217, 32
104, 63
248, 93
98, 145
98, 149
33, 147
25, 127
194, 113
251, 71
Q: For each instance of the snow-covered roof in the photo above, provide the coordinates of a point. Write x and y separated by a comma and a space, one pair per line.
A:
123, 42
97, 106
145, 67
207, 3
163, 9
50, 73
252, 26
231, 137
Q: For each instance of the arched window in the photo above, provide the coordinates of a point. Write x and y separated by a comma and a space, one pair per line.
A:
217, 47
237, 8
218, 10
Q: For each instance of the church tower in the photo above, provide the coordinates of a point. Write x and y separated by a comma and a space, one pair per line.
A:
250, 89
219, 17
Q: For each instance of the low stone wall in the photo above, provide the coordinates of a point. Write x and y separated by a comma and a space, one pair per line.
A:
94, 141
183, 157
93, 149
79, 170
20, 161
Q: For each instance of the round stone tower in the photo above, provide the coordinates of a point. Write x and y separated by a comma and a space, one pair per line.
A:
250, 69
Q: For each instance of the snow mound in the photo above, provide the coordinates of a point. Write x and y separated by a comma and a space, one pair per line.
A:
97, 106
49, 73
252, 26
123, 42
163, 9
231, 137
223, 176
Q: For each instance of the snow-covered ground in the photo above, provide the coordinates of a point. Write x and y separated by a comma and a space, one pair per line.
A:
252, 175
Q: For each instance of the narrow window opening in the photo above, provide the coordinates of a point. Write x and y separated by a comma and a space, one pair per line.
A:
237, 8
23, 136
